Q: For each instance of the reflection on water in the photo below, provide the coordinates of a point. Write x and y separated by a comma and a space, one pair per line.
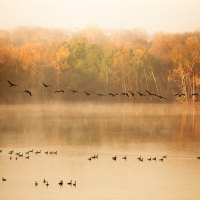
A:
78, 131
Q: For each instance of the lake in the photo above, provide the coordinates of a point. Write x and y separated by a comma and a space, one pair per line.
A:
77, 131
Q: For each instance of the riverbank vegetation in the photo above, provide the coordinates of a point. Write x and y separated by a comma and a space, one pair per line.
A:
100, 61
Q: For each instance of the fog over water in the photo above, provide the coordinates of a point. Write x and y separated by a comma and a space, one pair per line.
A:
80, 130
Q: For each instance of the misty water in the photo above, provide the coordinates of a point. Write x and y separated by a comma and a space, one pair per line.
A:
78, 131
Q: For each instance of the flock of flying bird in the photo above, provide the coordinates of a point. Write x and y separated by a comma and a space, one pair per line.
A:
127, 94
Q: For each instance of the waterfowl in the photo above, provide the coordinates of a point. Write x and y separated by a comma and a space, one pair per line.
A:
114, 158
124, 157
36, 183
60, 183
70, 183
4, 179
165, 156
74, 184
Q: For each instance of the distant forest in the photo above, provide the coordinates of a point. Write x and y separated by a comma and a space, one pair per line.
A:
98, 61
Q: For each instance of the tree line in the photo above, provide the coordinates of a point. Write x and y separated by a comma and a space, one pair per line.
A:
94, 60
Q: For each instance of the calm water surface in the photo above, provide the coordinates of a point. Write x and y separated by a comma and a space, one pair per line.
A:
78, 131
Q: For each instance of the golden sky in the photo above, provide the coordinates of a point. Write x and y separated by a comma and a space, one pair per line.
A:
151, 15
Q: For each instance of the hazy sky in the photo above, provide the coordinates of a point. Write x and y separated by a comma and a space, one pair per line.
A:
151, 15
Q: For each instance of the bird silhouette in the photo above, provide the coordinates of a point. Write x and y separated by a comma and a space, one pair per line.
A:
11, 152
74, 184
60, 183
161, 97
165, 156
100, 95
45, 85
96, 156
140, 159
111, 94
198, 157
149, 159
195, 94
124, 157
149, 93
132, 94
87, 94
124, 94
74, 91
140, 94
114, 158
28, 92
59, 91
70, 183
36, 183
12, 84
4, 179
179, 95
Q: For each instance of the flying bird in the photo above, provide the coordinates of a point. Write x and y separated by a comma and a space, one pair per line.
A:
11, 84
179, 95
124, 94
149, 93
140, 94
45, 85
132, 94
59, 91
195, 94
111, 94
100, 95
28, 92
87, 94
74, 91
161, 97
